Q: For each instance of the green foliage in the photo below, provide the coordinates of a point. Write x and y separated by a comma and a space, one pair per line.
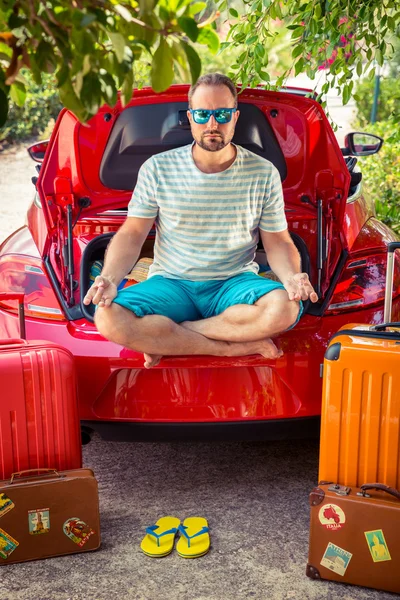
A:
92, 46
344, 37
42, 104
381, 172
388, 103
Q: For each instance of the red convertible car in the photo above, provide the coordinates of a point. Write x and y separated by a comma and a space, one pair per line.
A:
86, 178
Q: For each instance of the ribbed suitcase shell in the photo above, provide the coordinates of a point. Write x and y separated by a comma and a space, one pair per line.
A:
39, 423
360, 418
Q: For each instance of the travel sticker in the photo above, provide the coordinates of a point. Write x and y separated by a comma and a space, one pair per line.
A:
377, 545
336, 559
7, 544
331, 516
77, 531
39, 521
5, 504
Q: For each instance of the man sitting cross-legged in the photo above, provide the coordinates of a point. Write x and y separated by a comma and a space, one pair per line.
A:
210, 201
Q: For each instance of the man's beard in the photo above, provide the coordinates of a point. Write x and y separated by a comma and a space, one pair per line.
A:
215, 144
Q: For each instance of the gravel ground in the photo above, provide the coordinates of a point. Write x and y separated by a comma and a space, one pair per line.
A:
16, 189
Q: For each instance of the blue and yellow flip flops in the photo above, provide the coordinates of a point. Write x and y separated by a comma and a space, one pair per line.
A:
195, 539
159, 538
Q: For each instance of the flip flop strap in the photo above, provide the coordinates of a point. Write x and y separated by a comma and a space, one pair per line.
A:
182, 529
151, 531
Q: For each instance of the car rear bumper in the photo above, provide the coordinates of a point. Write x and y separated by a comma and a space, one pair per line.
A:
249, 431
114, 386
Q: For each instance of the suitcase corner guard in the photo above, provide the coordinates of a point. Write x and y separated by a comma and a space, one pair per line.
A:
312, 572
316, 497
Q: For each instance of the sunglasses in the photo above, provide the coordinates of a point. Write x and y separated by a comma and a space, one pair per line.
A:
202, 115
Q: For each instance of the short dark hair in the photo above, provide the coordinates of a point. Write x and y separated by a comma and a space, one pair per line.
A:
213, 79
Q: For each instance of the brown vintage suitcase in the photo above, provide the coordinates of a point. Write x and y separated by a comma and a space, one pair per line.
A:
355, 535
360, 416
48, 514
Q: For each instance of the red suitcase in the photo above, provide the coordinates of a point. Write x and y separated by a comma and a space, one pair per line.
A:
39, 422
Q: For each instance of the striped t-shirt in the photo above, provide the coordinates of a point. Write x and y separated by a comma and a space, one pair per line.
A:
207, 223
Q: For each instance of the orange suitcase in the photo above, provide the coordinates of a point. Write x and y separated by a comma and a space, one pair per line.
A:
360, 418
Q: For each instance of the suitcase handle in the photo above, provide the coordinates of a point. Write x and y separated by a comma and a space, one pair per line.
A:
385, 325
21, 312
13, 342
380, 486
387, 311
18, 474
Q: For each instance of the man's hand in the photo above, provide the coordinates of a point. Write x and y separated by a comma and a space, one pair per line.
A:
298, 287
102, 292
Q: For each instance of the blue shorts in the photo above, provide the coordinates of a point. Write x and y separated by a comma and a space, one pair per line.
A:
184, 300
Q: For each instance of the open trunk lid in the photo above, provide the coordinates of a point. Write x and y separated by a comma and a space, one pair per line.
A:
92, 168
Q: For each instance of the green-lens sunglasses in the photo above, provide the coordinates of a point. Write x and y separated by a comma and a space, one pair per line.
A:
202, 115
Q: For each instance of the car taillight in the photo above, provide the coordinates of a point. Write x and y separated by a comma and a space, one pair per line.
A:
26, 274
362, 283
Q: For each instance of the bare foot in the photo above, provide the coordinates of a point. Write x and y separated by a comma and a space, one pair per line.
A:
151, 360
266, 348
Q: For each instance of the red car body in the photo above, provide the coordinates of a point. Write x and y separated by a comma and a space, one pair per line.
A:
75, 212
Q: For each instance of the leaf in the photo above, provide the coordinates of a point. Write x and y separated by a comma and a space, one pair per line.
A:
298, 32
346, 94
251, 40
36, 73
62, 75
18, 93
162, 71
123, 12
6, 49
3, 108
127, 87
118, 41
359, 68
379, 57
234, 12
90, 95
189, 26
45, 59
297, 51
87, 19
193, 60
180, 61
196, 8
210, 38
299, 66
71, 100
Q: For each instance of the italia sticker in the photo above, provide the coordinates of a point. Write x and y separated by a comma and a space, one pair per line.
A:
377, 545
5, 504
336, 559
331, 516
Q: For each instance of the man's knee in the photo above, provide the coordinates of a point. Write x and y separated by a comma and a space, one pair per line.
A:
280, 310
111, 322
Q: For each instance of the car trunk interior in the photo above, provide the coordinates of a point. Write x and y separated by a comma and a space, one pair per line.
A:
96, 249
